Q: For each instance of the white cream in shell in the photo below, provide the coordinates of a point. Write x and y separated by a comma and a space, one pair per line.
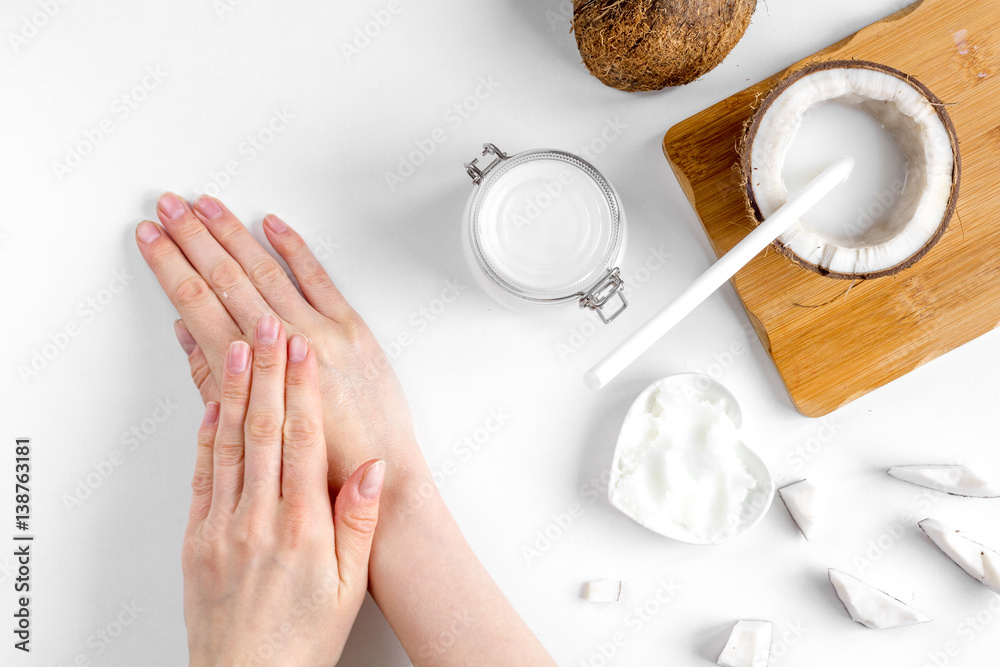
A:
918, 129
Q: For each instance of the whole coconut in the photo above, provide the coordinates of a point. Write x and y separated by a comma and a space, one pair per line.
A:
650, 44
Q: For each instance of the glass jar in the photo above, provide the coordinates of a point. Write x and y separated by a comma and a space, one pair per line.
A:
545, 227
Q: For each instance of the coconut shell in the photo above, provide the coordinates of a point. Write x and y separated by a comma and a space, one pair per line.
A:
746, 169
638, 45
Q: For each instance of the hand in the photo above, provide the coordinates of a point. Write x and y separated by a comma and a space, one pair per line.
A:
272, 574
221, 280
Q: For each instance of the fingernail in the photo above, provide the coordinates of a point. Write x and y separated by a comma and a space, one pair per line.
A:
267, 329
147, 232
274, 223
208, 207
239, 357
371, 481
184, 337
298, 348
211, 413
171, 206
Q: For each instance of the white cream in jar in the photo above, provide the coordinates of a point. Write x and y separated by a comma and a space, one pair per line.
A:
545, 227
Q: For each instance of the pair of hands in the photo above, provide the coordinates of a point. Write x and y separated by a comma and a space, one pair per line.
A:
273, 572
221, 281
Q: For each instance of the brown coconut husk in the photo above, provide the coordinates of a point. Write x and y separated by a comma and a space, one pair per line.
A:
753, 124
636, 45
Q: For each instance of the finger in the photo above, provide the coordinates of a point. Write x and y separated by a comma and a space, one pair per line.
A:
222, 273
207, 318
355, 515
201, 484
227, 481
267, 276
184, 337
201, 371
303, 450
313, 279
265, 415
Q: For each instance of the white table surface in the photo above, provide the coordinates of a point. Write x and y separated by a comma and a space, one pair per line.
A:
224, 71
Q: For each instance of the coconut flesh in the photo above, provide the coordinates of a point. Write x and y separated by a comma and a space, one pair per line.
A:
800, 500
971, 556
871, 607
603, 590
991, 570
924, 133
749, 645
637, 45
957, 480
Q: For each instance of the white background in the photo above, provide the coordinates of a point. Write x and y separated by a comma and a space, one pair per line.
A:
62, 237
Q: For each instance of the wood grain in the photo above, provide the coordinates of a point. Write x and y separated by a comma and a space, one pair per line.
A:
879, 330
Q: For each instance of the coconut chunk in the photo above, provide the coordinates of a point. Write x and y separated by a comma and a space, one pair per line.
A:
603, 590
871, 607
991, 569
749, 645
800, 500
954, 479
968, 554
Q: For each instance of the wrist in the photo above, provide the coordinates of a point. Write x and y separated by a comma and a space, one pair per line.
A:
409, 489
200, 659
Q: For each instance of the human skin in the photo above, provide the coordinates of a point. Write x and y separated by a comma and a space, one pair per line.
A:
271, 571
423, 575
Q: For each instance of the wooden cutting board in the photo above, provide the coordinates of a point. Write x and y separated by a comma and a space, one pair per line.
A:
828, 355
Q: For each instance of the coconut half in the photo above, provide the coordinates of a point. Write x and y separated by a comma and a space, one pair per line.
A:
871, 607
636, 45
924, 133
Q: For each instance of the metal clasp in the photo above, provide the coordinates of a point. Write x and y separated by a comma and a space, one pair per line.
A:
610, 286
475, 173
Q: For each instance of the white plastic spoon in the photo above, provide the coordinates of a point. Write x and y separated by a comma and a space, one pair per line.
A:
717, 274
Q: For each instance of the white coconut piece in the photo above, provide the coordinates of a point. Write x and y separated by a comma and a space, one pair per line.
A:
991, 570
603, 590
926, 138
967, 553
800, 500
871, 607
749, 645
957, 480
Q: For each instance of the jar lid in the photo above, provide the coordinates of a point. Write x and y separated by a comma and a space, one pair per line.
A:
546, 226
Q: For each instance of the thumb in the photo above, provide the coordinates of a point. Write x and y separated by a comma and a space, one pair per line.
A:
355, 514
201, 372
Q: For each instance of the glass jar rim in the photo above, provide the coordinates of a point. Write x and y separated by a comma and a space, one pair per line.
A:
489, 176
